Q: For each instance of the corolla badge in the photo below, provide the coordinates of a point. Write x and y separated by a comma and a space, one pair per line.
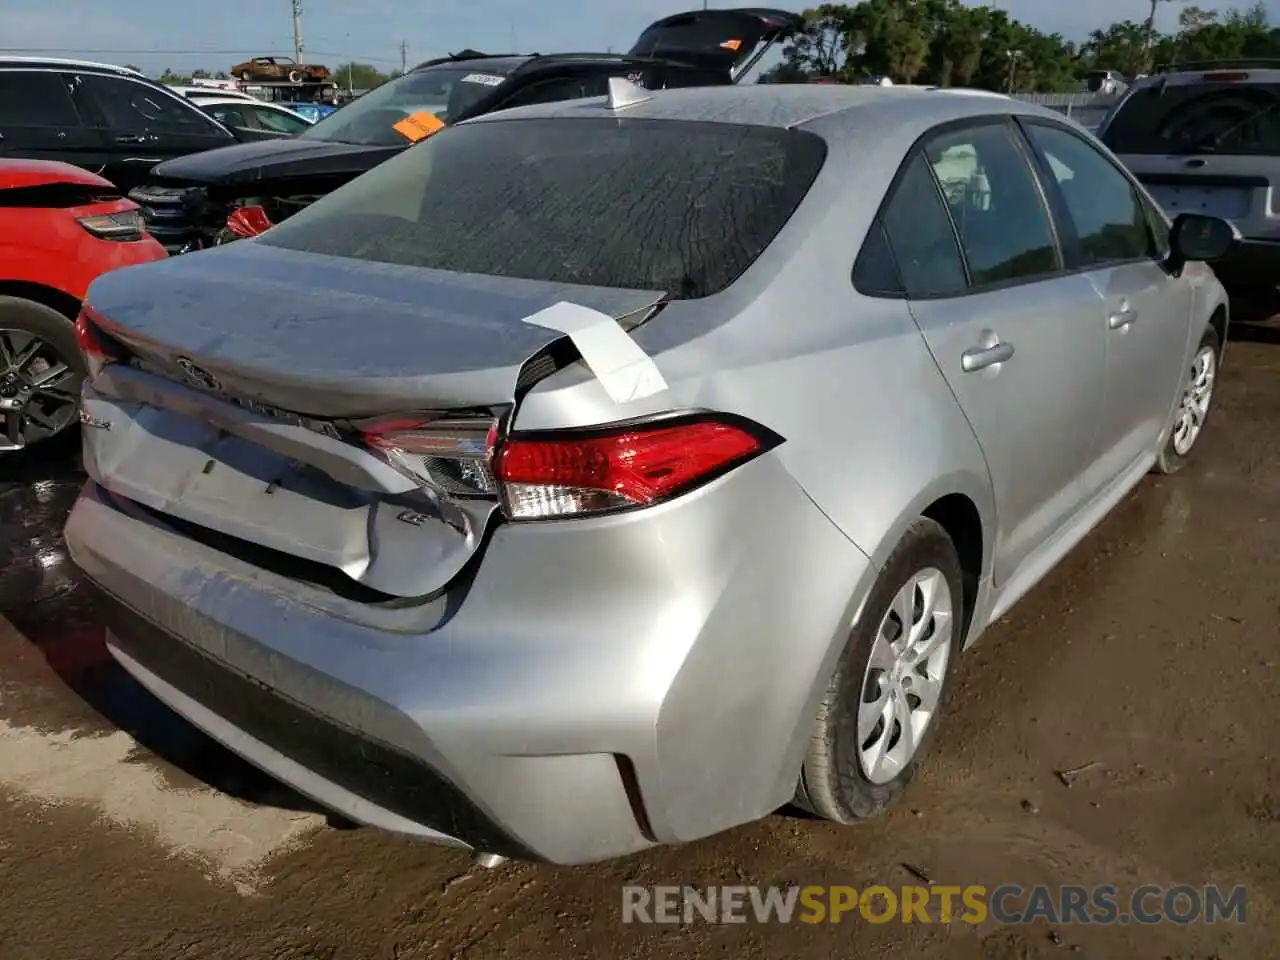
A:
196, 375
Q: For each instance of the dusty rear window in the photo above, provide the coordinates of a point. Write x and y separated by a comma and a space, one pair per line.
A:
681, 207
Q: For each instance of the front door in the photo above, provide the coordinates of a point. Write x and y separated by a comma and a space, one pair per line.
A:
1108, 234
1016, 335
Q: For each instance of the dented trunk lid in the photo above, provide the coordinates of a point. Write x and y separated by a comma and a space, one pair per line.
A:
223, 423
338, 338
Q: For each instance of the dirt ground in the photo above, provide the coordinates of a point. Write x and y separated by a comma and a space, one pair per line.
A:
1152, 651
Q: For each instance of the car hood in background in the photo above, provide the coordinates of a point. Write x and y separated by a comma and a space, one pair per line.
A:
252, 163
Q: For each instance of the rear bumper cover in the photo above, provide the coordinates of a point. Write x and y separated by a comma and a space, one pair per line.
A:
603, 685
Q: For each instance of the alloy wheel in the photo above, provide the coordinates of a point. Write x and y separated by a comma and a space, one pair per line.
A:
39, 391
902, 685
1196, 397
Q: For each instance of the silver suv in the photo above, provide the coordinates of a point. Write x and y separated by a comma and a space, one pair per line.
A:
1205, 138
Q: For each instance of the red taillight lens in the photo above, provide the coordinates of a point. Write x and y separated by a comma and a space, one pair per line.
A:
570, 475
249, 222
97, 351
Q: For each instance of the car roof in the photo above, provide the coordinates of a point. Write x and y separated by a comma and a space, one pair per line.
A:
779, 105
499, 63
54, 62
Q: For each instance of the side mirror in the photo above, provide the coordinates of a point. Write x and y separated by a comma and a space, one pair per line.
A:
1196, 238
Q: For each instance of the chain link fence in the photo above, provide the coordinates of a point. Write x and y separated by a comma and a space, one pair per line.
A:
1086, 109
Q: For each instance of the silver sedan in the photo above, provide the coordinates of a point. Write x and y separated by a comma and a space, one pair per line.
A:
609, 473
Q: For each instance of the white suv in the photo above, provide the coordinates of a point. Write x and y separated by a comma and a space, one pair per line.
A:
1205, 138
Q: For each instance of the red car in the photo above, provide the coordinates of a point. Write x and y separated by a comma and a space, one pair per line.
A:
60, 228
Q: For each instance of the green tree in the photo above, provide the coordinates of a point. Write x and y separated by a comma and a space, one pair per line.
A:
357, 76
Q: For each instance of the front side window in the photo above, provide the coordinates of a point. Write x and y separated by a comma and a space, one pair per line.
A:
995, 203
278, 120
126, 106
228, 115
679, 207
1109, 221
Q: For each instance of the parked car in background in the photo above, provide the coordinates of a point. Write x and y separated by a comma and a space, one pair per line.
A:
1103, 81
1205, 138
268, 69
494, 499
111, 120
190, 202
61, 227
244, 114
204, 93
315, 112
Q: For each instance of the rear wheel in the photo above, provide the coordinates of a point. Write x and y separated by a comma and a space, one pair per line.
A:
41, 370
1193, 405
295, 76
891, 682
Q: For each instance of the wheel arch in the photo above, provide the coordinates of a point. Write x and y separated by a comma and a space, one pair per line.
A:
51, 297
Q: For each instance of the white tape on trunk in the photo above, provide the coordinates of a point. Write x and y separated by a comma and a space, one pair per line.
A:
624, 370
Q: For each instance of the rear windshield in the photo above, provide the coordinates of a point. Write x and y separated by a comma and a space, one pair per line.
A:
680, 207
376, 119
1225, 118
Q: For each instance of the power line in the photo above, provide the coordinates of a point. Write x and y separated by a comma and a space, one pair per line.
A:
182, 53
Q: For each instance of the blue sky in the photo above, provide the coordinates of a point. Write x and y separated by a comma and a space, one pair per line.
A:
213, 34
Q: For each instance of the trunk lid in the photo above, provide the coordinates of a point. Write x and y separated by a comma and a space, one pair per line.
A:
330, 337
245, 354
729, 40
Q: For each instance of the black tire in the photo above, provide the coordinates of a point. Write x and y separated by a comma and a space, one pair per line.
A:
246, 76
295, 76
58, 331
1170, 460
833, 784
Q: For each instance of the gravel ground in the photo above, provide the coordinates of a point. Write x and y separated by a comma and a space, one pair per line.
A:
1151, 652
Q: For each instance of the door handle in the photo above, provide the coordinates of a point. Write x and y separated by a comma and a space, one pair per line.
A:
979, 358
131, 138
1122, 318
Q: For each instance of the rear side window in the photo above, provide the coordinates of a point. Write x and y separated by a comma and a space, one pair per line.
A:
921, 236
679, 207
35, 99
1225, 118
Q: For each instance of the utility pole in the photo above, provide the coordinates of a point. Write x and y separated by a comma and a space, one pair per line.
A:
404, 55
297, 30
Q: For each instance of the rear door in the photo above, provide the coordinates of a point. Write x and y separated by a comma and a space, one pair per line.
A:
727, 41
38, 121
1019, 338
1107, 233
140, 124
1206, 143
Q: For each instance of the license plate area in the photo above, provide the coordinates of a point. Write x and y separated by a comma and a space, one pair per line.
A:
1228, 202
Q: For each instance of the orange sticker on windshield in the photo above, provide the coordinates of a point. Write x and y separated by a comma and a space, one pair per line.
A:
418, 126
731, 44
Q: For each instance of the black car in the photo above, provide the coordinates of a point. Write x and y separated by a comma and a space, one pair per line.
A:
187, 202
111, 120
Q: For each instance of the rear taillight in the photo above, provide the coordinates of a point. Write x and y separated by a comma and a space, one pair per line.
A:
126, 226
571, 473
452, 456
98, 351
